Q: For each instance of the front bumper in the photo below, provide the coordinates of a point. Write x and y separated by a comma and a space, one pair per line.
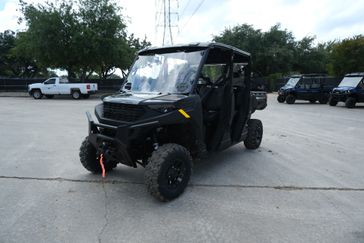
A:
339, 96
100, 140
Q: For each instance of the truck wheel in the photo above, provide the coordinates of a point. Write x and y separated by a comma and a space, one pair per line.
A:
89, 159
85, 96
350, 102
323, 100
255, 134
49, 96
312, 101
37, 94
290, 99
168, 171
281, 98
332, 102
76, 94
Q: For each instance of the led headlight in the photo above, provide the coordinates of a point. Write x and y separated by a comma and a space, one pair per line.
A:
162, 108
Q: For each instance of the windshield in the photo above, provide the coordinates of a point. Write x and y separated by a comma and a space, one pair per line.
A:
350, 82
164, 73
292, 82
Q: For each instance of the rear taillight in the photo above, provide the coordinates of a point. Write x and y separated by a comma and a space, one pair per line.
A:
87, 86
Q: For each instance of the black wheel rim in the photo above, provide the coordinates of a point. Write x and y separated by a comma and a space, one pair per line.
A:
175, 174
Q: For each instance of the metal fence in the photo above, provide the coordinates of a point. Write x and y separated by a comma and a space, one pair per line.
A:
21, 85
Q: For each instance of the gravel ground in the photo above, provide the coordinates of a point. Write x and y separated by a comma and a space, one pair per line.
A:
305, 183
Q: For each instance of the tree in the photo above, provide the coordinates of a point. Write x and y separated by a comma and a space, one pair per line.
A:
14, 63
276, 52
84, 37
348, 55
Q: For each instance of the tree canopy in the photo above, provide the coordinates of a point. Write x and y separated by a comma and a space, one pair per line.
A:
276, 50
83, 37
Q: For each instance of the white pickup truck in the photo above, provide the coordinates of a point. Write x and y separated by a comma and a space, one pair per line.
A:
61, 86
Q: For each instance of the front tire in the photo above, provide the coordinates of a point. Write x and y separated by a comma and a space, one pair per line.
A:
89, 160
290, 99
281, 98
255, 134
37, 94
168, 171
332, 102
350, 102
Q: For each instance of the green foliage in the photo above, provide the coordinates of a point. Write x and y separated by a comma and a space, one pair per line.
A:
83, 37
14, 63
276, 50
348, 56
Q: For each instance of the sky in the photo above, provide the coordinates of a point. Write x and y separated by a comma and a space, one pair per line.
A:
199, 20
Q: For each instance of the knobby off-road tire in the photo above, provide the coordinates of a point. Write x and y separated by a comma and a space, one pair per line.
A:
323, 100
89, 159
168, 171
290, 99
350, 102
37, 94
255, 134
281, 98
332, 102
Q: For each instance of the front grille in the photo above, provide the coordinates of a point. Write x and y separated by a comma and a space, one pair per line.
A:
122, 112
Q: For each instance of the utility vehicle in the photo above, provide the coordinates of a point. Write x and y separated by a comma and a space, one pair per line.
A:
61, 86
310, 87
350, 90
178, 103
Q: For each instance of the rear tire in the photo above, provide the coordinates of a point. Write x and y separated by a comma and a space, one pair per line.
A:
168, 171
290, 99
37, 94
49, 96
350, 102
255, 134
332, 102
76, 95
323, 100
89, 160
281, 98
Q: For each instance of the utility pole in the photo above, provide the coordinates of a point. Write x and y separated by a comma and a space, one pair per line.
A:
166, 17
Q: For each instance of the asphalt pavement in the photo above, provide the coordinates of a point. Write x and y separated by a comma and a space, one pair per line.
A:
305, 183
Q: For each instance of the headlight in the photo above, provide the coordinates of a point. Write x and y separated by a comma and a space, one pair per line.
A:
162, 108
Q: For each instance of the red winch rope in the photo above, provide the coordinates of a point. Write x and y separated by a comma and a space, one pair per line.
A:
102, 165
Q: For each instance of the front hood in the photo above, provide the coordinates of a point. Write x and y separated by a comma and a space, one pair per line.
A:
142, 98
343, 89
35, 85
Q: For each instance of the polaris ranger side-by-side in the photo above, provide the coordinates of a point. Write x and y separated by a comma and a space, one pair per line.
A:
310, 87
179, 103
350, 90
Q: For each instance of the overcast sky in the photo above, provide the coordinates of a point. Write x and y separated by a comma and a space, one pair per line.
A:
325, 19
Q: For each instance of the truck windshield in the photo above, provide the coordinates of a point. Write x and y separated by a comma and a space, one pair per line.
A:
350, 81
292, 82
164, 73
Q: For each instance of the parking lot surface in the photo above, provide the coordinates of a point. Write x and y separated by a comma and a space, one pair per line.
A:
305, 183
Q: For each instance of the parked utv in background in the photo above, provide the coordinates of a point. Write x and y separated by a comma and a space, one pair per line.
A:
350, 90
310, 87
178, 103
